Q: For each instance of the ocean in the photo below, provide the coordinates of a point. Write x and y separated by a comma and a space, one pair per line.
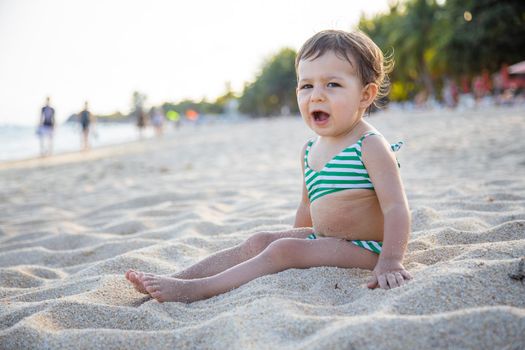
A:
21, 142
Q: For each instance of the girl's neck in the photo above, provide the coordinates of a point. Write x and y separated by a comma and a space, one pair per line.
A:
351, 135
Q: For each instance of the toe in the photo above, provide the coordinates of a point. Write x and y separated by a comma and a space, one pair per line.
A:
132, 277
158, 296
149, 277
152, 290
141, 276
151, 287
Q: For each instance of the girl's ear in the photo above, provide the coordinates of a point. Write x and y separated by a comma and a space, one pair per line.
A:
368, 95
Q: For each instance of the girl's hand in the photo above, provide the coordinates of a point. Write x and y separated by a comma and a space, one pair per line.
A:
388, 275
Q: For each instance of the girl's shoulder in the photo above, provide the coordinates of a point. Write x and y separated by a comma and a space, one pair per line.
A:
369, 133
307, 145
378, 149
380, 140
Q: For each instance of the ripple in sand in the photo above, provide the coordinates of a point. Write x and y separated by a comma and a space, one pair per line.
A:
55, 290
64, 258
13, 278
16, 313
423, 217
435, 255
62, 241
128, 227
27, 276
459, 285
512, 230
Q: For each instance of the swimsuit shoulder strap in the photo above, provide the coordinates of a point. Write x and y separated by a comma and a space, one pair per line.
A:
365, 135
359, 143
308, 146
394, 146
306, 152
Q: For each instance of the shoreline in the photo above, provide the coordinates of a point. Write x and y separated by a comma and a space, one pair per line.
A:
108, 149
69, 156
99, 151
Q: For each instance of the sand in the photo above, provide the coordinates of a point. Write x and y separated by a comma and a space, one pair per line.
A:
71, 225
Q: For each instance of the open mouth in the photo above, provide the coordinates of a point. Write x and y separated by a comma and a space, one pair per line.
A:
320, 116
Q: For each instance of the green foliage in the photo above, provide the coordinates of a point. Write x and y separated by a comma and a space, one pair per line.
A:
202, 107
274, 87
227, 96
113, 116
408, 30
432, 39
429, 39
494, 35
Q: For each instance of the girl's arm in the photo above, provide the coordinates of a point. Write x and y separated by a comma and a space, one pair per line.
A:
382, 167
302, 217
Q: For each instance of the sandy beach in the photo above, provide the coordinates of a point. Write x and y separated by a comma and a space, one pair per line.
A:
71, 225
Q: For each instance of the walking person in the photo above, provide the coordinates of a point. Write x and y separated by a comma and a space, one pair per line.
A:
87, 122
46, 128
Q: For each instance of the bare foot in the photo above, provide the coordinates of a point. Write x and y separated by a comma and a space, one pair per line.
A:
165, 288
135, 277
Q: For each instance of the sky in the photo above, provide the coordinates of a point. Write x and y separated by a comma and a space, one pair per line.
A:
102, 51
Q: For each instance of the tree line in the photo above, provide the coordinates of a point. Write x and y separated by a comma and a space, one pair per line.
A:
429, 40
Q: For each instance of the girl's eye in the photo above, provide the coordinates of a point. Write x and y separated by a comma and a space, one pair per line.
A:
305, 86
332, 84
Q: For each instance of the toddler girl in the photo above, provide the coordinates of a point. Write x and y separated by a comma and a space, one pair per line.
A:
353, 211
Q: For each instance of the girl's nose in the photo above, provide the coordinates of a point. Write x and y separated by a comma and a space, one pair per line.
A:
317, 94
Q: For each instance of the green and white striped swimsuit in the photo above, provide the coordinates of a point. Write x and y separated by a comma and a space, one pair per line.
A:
373, 246
343, 172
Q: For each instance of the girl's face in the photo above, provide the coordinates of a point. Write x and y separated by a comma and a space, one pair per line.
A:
330, 95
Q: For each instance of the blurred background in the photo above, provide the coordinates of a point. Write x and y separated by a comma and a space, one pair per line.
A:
207, 61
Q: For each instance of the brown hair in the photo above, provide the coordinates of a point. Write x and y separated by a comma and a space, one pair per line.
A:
355, 47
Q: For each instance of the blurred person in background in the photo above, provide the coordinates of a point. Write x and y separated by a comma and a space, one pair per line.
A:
157, 119
46, 128
141, 120
87, 122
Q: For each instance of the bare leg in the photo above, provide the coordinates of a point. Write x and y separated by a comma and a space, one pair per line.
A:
224, 259
280, 255
51, 145
85, 139
42, 147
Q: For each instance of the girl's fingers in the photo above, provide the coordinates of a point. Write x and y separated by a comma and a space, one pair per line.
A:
382, 282
406, 274
372, 283
399, 278
391, 279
